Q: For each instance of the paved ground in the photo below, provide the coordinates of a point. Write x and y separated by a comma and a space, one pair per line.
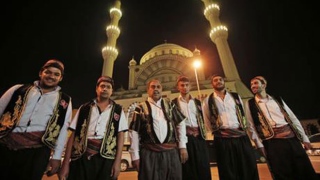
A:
263, 171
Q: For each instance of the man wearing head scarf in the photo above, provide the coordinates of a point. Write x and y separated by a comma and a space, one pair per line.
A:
280, 134
95, 146
225, 119
33, 125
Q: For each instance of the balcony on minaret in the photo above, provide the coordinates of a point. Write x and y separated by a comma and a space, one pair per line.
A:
115, 13
212, 11
219, 32
113, 31
109, 52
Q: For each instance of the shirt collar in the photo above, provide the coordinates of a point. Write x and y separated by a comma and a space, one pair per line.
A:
37, 84
181, 99
158, 103
260, 100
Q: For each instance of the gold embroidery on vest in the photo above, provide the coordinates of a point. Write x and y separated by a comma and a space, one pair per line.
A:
80, 142
52, 130
109, 143
7, 121
267, 131
288, 119
215, 119
200, 121
168, 109
146, 117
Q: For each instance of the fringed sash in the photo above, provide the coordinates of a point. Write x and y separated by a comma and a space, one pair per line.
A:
160, 147
193, 131
229, 133
283, 132
19, 140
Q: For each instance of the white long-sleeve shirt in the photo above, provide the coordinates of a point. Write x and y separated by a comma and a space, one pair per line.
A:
228, 115
189, 109
273, 114
227, 112
38, 111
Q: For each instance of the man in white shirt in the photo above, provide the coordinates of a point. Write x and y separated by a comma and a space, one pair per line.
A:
158, 137
281, 134
95, 145
33, 121
197, 165
224, 116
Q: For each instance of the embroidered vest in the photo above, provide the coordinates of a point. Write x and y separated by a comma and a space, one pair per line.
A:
263, 127
13, 112
109, 143
216, 122
199, 115
142, 122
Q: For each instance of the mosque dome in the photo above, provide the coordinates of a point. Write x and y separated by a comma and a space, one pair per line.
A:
166, 49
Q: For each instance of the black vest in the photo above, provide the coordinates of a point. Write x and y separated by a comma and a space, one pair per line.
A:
15, 108
199, 115
142, 122
215, 120
109, 143
262, 125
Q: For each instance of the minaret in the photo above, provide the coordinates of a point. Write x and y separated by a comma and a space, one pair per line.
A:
132, 74
219, 36
110, 52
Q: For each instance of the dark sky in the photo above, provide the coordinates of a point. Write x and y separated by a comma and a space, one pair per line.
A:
275, 38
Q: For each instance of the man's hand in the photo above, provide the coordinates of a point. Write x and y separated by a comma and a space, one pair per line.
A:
136, 164
307, 146
53, 167
183, 155
115, 171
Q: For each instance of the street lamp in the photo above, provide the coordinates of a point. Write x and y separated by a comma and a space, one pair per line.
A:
196, 65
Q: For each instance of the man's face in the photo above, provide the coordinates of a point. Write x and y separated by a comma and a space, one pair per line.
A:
104, 90
218, 83
154, 90
50, 77
183, 87
257, 86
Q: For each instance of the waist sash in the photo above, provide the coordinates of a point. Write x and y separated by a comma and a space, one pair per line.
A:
229, 133
283, 132
19, 140
160, 147
193, 131
93, 147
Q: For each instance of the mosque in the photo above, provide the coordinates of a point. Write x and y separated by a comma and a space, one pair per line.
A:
167, 61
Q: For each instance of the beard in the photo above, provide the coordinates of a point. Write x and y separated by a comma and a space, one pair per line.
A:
219, 88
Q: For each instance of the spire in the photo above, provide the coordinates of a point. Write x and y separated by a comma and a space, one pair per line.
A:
110, 52
219, 36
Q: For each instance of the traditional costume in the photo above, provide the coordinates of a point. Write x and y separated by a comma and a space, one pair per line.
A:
197, 165
235, 154
161, 129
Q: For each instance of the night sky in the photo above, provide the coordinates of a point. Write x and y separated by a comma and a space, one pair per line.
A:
276, 38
